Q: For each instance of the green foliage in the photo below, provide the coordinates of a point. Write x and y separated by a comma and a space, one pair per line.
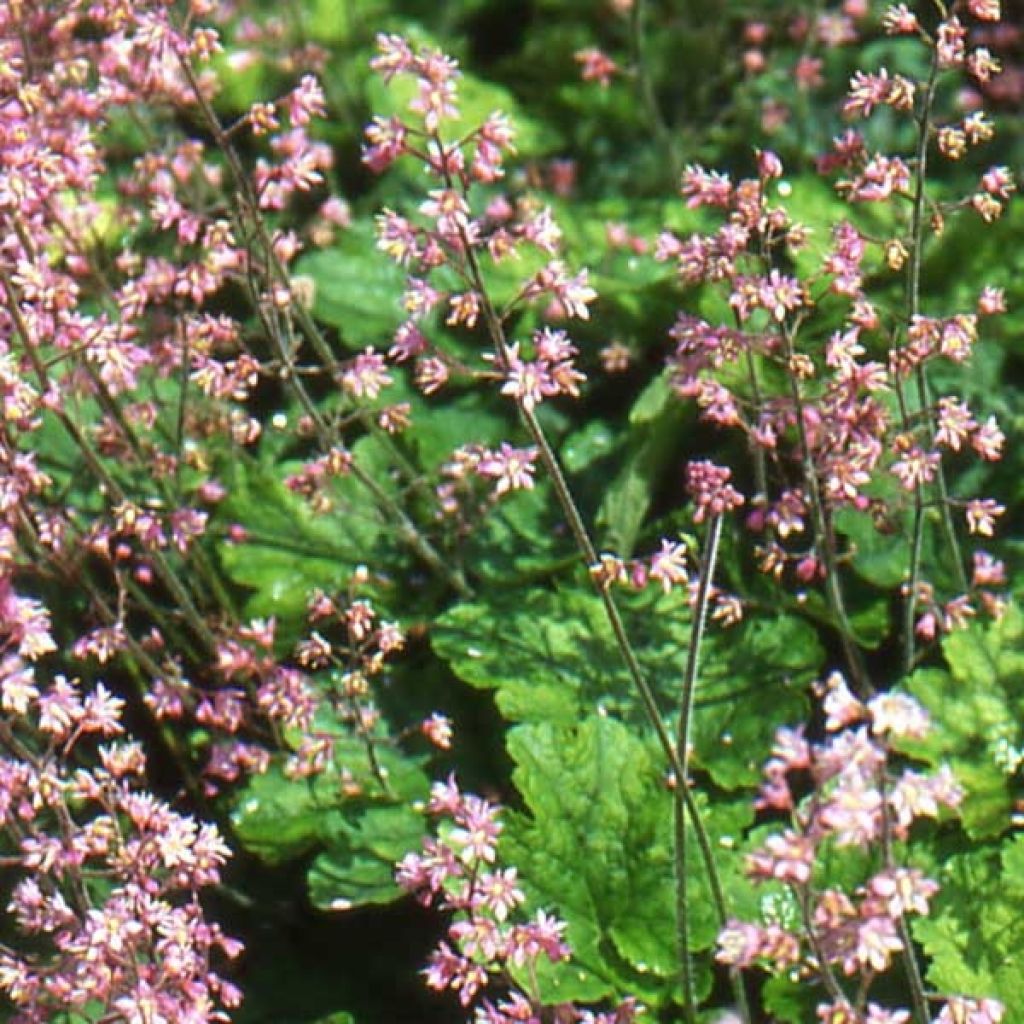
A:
356, 290
654, 425
358, 828
595, 842
977, 707
289, 549
974, 938
550, 657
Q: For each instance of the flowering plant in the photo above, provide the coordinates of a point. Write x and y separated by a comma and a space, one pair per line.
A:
612, 433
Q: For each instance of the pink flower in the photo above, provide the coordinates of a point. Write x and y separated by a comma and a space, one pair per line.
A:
870, 90
961, 1010
668, 566
985, 10
982, 514
710, 489
596, 66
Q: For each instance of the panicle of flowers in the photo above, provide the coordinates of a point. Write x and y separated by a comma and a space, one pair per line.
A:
105, 876
551, 372
493, 945
451, 231
860, 795
828, 436
347, 649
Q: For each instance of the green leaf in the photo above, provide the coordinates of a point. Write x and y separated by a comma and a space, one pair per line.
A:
358, 290
656, 420
591, 443
539, 649
278, 819
359, 867
551, 657
977, 708
793, 1002
762, 662
521, 538
595, 843
880, 558
974, 937
291, 550
359, 837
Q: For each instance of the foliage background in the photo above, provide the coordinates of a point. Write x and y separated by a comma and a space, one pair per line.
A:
519, 667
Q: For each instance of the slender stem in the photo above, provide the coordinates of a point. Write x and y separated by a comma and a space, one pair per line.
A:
917, 990
825, 537
824, 967
247, 207
917, 225
111, 489
910, 605
760, 464
700, 612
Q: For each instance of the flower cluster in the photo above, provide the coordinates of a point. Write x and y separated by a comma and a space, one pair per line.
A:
107, 876
862, 798
834, 417
490, 956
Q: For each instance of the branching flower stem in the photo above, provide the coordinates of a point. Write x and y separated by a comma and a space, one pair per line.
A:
914, 265
824, 535
684, 797
913, 970
112, 490
247, 210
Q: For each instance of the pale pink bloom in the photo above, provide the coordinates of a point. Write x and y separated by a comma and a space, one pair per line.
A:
512, 468
902, 891
394, 56
962, 1010
573, 293
985, 10
788, 857
991, 301
668, 566
950, 43
499, 892
998, 181
988, 440
955, 423
739, 944
438, 729
957, 613
528, 382
877, 941
896, 714
306, 101
852, 811
387, 141
987, 571
841, 707
882, 176
870, 90
710, 489
982, 514
899, 20
17, 687
916, 468
596, 66
705, 188
982, 65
